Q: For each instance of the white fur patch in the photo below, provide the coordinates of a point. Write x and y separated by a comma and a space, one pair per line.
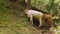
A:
33, 12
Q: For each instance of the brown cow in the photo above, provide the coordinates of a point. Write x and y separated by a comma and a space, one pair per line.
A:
48, 19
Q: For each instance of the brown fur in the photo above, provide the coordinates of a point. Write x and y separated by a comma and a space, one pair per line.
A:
48, 20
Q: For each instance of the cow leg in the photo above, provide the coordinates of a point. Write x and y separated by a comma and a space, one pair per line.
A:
39, 21
31, 19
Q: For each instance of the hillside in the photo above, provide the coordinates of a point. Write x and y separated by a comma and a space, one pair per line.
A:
14, 21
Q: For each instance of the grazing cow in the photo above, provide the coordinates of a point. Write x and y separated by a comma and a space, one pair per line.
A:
36, 14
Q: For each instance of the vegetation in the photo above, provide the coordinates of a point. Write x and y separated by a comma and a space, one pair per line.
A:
14, 21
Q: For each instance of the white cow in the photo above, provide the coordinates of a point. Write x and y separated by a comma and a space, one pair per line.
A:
33, 13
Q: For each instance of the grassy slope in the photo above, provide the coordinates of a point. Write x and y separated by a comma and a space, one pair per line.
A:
10, 23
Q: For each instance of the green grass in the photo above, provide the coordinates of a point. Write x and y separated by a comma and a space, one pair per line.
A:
11, 24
